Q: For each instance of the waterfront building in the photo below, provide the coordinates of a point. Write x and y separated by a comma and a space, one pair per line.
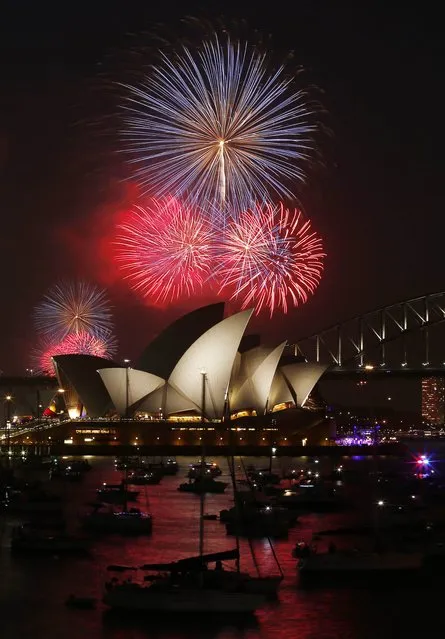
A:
433, 400
202, 373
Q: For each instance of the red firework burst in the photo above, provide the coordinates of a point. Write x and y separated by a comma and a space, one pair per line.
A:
167, 249
270, 258
81, 343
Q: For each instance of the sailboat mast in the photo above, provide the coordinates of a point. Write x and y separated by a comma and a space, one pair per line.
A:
125, 489
126, 393
235, 495
202, 494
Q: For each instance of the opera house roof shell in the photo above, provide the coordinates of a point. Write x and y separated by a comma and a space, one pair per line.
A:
202, 364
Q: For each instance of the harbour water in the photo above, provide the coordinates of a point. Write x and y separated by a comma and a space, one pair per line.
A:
33, 590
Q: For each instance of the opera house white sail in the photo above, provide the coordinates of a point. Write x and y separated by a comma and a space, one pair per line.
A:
209, 364
294, 383
126, 386
253, 380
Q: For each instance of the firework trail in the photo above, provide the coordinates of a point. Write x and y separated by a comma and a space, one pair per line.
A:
81, 343
270, 258
218, 124
167, 249
73, 307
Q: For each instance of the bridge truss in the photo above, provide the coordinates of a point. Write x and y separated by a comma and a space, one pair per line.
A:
404, 336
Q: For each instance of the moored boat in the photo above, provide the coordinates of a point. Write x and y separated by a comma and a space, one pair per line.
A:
144, 477
354, 562
29, 540
130, 522
203, 485
187, 586
116, 493
206, 469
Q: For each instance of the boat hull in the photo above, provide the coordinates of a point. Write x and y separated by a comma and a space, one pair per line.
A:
197, 601
336, 562
127, 526
258, 530
216, 488
262, 585
49, 546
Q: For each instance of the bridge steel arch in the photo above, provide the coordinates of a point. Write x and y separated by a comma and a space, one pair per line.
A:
393, 337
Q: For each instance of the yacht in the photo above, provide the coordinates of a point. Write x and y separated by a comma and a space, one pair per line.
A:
167, 466
311, 497
256, 519
26, 539
106, 520
202, 485
144, 477
187, 585
116, 493
206, 469
355, 562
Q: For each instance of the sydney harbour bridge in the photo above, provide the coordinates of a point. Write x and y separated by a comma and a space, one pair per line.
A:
403, 339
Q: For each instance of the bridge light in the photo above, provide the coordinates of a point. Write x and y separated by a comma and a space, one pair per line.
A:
425, 363
404, 363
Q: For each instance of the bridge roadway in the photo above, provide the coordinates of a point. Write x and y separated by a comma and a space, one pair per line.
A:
334, 372
379, 372
104, 450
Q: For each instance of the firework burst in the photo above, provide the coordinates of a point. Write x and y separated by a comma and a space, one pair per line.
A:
81, 343
218, 124
73, 307
167, 249
270, 258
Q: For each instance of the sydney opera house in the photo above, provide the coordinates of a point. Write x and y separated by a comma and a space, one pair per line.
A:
202, 373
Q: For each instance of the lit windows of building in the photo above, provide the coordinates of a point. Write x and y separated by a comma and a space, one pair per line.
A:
433, 400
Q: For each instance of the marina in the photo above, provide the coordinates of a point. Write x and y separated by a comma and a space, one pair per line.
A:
166, 552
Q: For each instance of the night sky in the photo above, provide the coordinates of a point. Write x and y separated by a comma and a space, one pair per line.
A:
377, 201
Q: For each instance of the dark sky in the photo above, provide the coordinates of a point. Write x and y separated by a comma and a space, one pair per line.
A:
378, 202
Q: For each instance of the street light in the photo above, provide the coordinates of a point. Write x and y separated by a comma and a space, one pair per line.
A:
203, 394
127, 383
8, 399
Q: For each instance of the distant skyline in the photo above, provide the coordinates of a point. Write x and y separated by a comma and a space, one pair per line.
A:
377, 202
